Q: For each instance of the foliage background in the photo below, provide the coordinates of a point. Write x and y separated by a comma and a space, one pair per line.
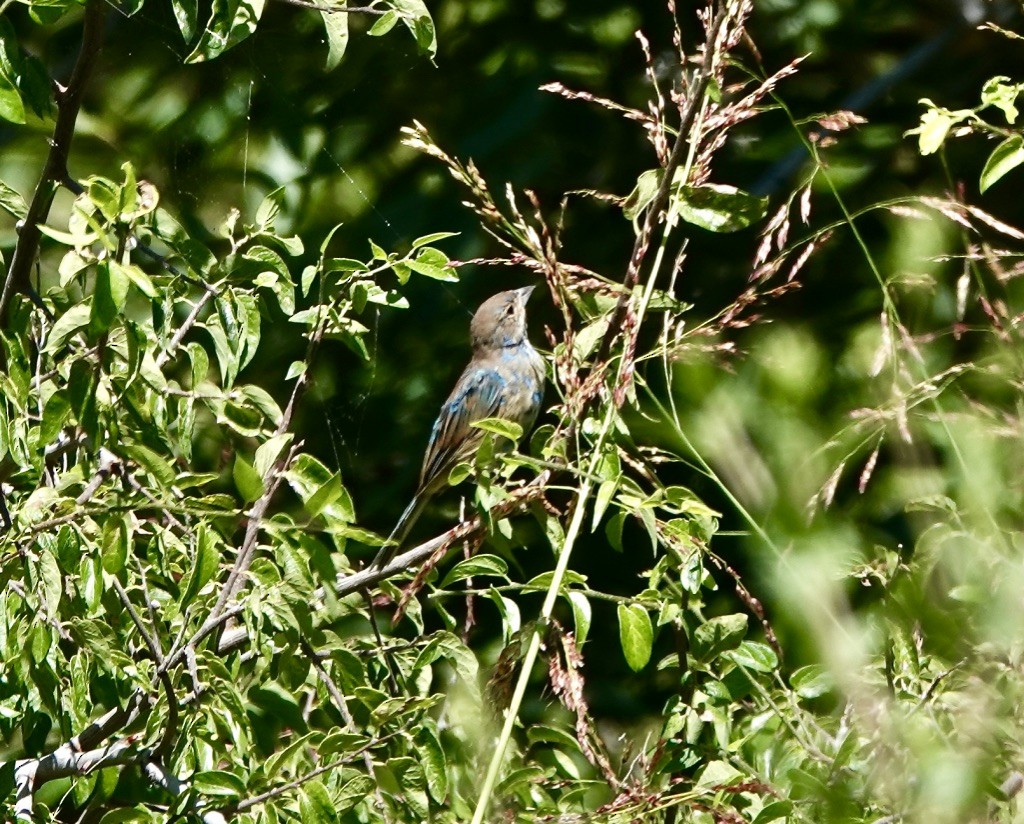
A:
774, 421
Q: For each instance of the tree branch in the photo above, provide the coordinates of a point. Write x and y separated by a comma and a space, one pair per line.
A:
359, 581
65, 761
69, 101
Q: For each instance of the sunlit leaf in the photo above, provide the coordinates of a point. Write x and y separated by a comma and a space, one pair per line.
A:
718, 208
636, 635
336, 29
1005, 157
247, 481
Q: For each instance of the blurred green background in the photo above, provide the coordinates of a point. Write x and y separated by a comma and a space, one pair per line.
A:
774, 422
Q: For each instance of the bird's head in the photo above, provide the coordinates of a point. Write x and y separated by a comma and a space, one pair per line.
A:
500, 322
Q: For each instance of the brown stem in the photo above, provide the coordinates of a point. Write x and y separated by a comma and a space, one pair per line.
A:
69, 101
307, 4
694, 100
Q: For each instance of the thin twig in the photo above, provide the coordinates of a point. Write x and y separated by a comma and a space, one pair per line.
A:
339, 698
109, 464
306, 4
271, 481
256, 800
172, 347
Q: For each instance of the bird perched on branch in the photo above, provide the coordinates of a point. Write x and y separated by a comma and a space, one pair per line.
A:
504, 379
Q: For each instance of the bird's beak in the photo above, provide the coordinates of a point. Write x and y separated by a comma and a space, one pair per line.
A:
524, 293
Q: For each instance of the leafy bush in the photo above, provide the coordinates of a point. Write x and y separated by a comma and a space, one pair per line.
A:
187, 626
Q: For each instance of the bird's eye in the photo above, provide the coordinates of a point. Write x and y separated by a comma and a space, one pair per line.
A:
511, 310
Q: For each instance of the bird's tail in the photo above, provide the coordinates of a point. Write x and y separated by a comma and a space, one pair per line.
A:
401, 530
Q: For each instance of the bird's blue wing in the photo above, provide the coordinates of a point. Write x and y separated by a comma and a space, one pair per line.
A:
478, 394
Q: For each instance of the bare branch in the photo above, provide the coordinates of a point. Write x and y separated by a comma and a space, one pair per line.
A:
271, 481
109, 463
30, 773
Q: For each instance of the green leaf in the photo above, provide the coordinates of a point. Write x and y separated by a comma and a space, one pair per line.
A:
185, 14
385, 23
269, 451
774, 811
327, 494
12, 202
336, 29
1001, 93
315, 804
156, 465
754, 655
247, 480
51, 580
262, 400
55, 415
231, 21
426, 240
459, 473
115, 540
511, 617
218, 783
42, 640
354, 787
77, 240
127, 816
812, 681
935, 125
718, 208
636, 635
643, 193
136, 276
499, 426
581, 614
435, 768
108, 298
12, 108
541, 582
204, 565
269, 209
477, 565
310, 478
417, 19
344, 265
1005, 157
542, 733
429, 269
717, 635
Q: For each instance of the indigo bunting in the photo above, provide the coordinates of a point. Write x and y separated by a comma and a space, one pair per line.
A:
504, 379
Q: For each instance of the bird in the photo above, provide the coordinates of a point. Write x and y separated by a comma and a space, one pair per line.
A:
504, 379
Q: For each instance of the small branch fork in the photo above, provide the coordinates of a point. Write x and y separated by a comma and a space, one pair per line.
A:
55, 171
